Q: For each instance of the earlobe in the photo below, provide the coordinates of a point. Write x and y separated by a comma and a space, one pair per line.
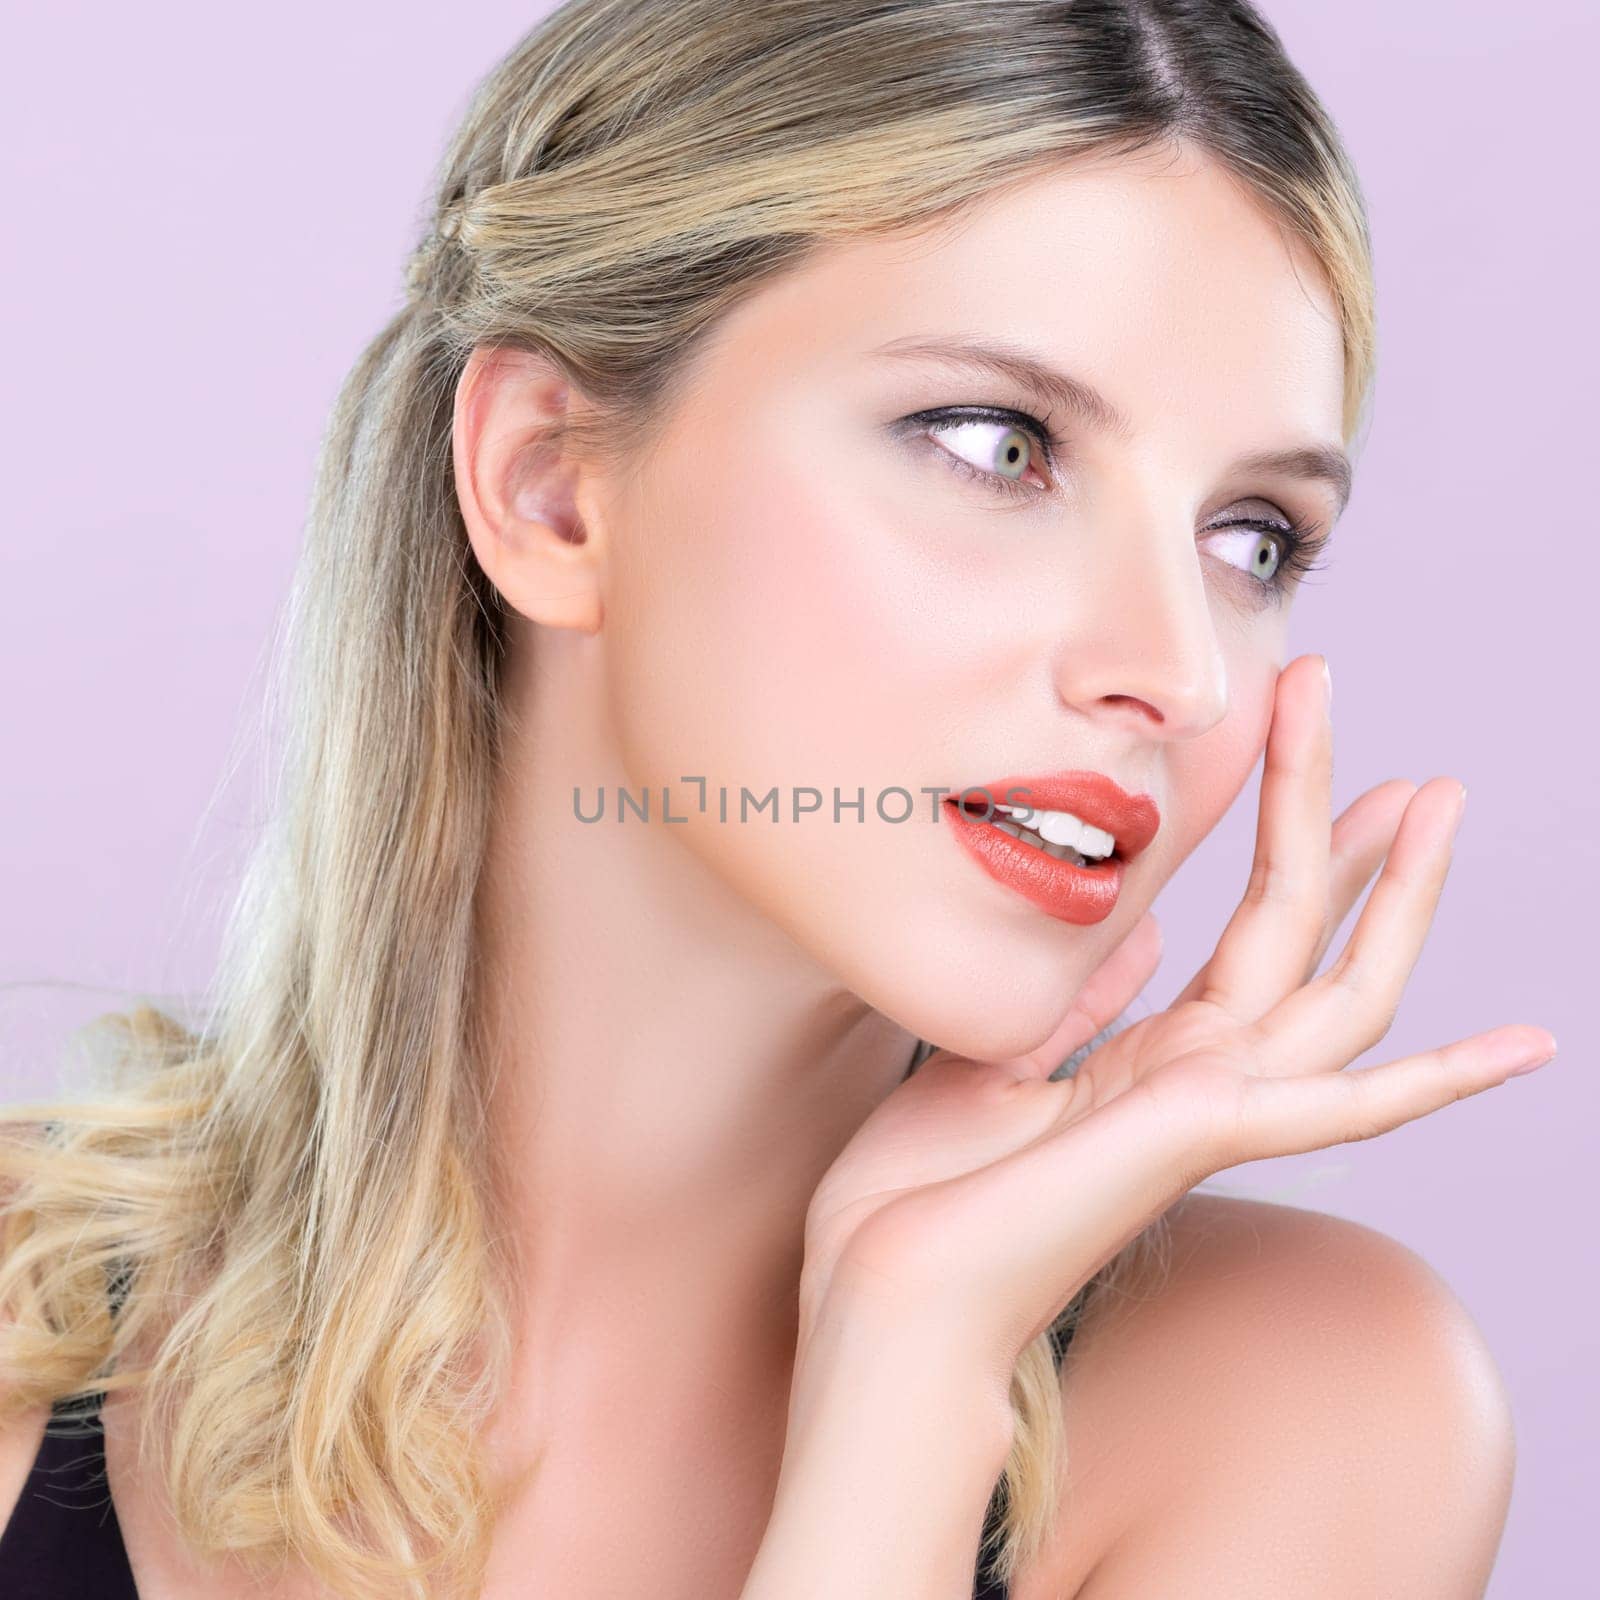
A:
519, 498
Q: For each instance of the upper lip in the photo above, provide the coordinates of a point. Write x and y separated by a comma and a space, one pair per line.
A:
1130, 819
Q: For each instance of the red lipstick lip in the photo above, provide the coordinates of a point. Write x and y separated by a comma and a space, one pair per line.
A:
1132, 820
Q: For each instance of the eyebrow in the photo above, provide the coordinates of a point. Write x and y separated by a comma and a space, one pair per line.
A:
1320, 462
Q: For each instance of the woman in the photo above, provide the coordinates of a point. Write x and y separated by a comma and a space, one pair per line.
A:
799, 406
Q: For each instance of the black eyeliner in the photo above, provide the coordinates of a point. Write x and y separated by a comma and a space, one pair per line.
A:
1303, 544
1025, 421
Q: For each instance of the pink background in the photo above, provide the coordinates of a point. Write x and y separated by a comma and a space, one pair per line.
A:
209, 210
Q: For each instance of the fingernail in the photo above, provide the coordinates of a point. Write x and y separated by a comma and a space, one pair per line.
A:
1327, 681
1530, 1066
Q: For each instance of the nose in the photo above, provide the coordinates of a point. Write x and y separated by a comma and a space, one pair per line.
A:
1141, 649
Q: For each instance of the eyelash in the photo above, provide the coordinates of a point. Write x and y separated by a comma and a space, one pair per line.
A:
1303, 544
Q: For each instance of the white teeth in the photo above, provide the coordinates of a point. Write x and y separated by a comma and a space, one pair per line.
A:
1097, 842
1059, 827
1062, 828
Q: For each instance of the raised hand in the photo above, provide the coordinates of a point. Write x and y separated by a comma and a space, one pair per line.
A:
985, 1195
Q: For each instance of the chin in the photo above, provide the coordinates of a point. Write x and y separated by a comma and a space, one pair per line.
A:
986, 992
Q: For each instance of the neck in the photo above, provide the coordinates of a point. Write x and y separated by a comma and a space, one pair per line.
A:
671, 1077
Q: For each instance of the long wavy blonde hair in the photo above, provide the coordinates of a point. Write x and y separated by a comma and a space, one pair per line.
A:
289, 1196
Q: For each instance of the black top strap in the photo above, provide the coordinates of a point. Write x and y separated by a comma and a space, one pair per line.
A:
63, 1537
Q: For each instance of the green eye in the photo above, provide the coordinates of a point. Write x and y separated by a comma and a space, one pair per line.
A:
1264, 556
1007, 452
1277, 554
1256, 550
1003, 449
1013, 453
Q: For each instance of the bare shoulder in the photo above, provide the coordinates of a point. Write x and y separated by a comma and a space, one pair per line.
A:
21, 1434
1281, 1401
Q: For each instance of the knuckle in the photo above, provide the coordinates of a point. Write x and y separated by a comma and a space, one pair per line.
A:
1375, 1028
1369, 994
1196, 1104
1362, 1121
1272, 883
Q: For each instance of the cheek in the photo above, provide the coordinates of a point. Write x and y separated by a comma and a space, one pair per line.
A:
767, 615
1207, 773
777, 625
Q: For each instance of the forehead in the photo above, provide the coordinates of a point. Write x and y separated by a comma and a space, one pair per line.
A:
1158, 278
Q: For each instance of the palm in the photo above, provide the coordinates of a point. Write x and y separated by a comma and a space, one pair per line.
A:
988, 1179
955, 1120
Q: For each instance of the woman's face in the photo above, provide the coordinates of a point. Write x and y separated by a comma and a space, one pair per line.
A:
815, 585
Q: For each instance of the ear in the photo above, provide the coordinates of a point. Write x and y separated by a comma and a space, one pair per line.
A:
520, 499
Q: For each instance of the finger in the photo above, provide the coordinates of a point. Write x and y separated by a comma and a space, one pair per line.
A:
1094, 1184
1360, 839
1289, 1116
1268, 945
1362, 836
1110, 989
1332, 1019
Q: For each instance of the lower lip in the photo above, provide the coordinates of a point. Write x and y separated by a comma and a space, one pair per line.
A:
1069, 893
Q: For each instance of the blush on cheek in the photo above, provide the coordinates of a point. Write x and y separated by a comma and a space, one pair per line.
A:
831, 613
1209, 774
749, 638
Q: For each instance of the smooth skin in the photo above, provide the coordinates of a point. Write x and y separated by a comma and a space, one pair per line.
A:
923, 1204
965, 1197
703, 1028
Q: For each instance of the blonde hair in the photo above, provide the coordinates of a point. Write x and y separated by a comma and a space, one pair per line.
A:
290, 1193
